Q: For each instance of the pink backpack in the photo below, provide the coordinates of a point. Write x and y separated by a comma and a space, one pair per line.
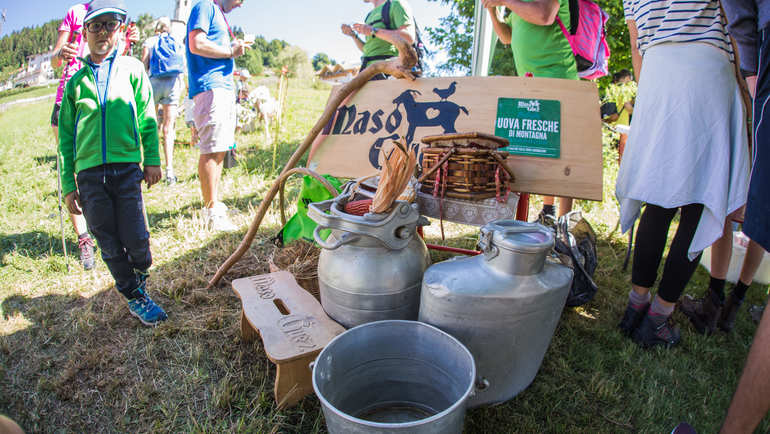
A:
586, 37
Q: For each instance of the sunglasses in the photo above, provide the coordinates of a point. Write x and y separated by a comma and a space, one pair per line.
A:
97, 26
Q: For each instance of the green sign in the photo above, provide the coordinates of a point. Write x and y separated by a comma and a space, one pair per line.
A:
532, 126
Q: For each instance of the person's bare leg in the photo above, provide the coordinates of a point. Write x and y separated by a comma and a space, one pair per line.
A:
78, 221
722, 251
169, 135
754, 255
209, 172
565, 205
751, 400
641, 290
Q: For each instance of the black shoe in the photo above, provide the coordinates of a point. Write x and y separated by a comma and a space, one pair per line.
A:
702, 312
652, 332
631, 319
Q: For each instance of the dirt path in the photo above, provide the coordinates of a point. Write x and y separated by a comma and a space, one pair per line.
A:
5, 106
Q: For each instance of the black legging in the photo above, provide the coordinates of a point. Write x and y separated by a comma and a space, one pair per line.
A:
651, 241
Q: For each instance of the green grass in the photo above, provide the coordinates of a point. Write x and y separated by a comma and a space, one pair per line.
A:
30, 92
73, 360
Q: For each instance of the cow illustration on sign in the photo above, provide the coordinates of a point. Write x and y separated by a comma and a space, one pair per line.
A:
351, 120
417, 113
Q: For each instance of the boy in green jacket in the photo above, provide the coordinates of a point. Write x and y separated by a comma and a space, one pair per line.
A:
106, 125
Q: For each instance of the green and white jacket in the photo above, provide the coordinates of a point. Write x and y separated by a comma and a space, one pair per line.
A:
121, 129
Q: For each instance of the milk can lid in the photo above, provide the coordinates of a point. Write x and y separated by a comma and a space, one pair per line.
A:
519, 236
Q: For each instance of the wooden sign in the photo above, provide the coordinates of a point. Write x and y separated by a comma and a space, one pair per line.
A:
351, 145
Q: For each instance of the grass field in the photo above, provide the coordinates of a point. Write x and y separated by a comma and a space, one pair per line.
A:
73, 360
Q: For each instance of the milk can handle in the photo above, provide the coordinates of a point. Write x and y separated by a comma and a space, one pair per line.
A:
346, 238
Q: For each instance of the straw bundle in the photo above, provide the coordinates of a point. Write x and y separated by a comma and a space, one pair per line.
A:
300, 258
394, 177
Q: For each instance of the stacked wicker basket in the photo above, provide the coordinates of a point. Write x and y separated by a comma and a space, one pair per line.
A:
465, 166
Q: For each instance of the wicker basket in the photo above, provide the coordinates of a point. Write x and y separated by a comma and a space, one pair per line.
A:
465, 165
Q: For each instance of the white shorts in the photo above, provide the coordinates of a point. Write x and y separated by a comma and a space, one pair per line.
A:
214, 116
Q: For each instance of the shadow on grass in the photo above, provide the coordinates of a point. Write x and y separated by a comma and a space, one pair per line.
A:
46, 159
35, 245
78, 363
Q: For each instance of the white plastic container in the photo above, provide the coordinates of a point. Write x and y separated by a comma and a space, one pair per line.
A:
740, 241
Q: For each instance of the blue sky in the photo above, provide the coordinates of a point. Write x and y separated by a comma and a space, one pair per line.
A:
310, 24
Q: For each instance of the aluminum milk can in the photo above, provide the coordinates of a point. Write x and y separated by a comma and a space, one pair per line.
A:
503, 304
371, 266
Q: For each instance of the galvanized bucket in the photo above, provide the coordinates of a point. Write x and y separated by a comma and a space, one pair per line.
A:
394, 376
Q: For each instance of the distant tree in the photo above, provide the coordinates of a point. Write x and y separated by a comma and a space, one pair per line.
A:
251, 60
322, 59
296, 59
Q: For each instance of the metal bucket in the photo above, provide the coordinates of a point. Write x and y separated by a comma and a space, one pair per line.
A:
394, 376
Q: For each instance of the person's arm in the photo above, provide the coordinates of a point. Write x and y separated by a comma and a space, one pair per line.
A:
63, 51
751, 401
636, 56
385, 34
742, 16
148, 127
146, 57
201, 45
66, 156
348, 31
501, 28
538, 12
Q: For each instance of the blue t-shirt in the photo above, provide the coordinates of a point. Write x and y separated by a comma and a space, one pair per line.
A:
205, 73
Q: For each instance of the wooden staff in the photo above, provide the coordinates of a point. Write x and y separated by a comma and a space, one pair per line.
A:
400, 67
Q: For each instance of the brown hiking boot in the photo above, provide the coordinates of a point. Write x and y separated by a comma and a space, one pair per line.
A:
703, 312
729, 312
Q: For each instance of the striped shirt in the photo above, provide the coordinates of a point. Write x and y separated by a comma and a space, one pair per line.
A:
659, 21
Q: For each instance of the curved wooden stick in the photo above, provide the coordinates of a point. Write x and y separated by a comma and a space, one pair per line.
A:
281, 199
400, 67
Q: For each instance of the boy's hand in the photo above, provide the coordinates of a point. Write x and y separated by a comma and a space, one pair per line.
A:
72, 200
152, 175
68, 52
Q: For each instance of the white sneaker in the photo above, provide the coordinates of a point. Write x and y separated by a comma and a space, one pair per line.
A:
216, 218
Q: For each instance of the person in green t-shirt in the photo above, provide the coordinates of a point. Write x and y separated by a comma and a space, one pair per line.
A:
539, 49
378, 43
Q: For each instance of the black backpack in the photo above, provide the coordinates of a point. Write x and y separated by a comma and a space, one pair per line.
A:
576, 248
418, 45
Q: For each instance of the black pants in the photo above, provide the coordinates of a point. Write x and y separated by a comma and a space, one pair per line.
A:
757, 222
111, 198
651, 241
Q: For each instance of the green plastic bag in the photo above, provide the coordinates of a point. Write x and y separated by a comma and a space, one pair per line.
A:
300, 226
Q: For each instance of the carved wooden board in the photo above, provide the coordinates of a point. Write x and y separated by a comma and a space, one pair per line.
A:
293, 326
390, 109
290, 321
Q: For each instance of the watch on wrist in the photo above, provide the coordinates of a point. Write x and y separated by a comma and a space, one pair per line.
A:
374, 32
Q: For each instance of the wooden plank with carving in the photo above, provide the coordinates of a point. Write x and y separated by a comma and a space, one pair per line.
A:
293, 326
397, 109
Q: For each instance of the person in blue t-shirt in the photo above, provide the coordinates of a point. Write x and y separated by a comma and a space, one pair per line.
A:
211, 48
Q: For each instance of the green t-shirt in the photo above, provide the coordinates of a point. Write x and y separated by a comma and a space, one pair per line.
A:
542, 50
400, 15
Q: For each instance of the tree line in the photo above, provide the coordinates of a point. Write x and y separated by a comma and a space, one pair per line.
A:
16, 47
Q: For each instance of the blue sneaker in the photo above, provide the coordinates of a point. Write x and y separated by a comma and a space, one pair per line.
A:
145, 309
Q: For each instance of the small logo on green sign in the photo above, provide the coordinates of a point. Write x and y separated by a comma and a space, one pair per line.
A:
532, 126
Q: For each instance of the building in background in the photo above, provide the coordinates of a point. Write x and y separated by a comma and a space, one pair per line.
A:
37, 72
179, 22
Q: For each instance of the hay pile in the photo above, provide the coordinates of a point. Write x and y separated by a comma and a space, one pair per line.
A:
300, 258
